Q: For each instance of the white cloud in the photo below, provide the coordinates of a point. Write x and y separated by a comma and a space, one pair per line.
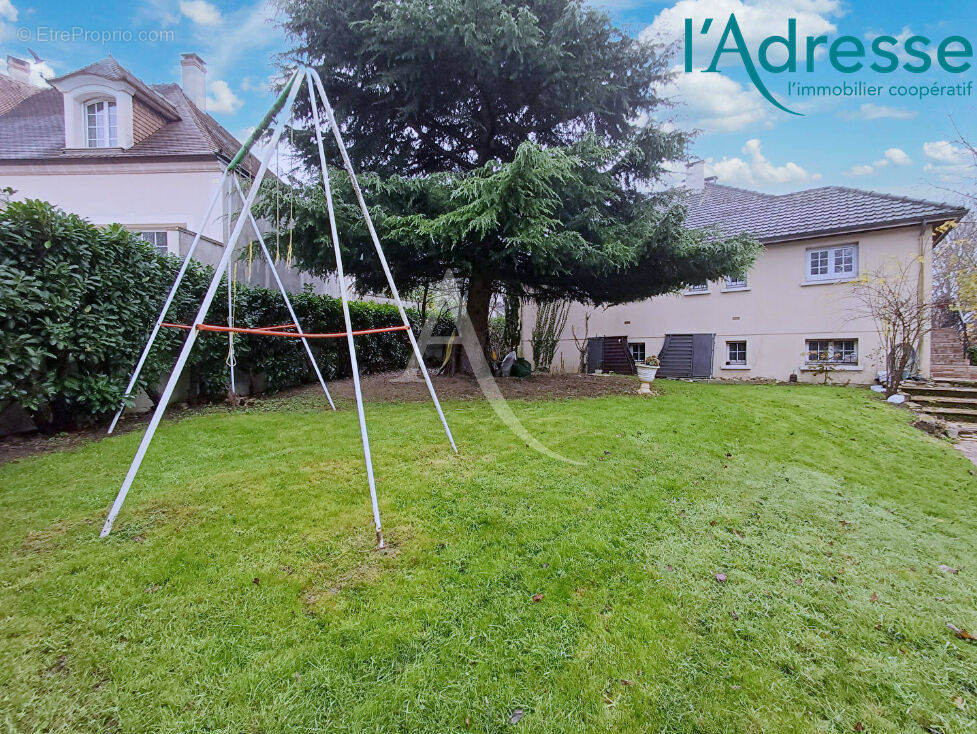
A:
222, 98
898, 157
949, 161
757, 20
8, 15
870, 111
756, 171
7, 11
715, 103
863, 170
249, 31
893, 156
200, 11
945, 152
156, 12
899, 48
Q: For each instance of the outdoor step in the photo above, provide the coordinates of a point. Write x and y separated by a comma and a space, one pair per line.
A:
960, 415
954, 381
945, 401
940, 390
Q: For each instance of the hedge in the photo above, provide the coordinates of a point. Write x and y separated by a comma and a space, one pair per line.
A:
77, 303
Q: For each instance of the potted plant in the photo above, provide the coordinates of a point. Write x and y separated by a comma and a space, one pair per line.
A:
646, 373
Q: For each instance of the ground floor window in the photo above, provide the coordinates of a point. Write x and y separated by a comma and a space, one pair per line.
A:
832, 351
736, 353
157, 238
637, 351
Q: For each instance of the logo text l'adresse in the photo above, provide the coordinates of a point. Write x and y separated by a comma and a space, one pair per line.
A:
845, 53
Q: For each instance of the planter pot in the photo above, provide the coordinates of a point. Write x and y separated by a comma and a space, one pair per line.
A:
646, 374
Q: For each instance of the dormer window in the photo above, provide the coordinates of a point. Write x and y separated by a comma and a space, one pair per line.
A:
101, 124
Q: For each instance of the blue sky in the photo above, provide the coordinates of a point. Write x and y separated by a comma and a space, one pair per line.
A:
902, 145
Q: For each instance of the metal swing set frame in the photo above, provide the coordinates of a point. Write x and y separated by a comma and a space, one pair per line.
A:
286, 101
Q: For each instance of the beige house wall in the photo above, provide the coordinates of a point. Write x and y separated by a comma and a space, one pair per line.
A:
777, 313
170, 196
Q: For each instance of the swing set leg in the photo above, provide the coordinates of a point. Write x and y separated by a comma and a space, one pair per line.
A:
288, 301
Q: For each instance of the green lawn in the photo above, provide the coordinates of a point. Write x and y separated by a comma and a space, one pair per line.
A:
241, 591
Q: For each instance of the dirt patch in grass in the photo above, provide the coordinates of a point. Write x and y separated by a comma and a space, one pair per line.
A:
40, 541
384, 387
392, 387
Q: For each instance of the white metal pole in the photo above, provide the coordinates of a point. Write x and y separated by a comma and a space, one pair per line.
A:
288, 302
169, 300
230, 334
376, 244
181, 361
367, 459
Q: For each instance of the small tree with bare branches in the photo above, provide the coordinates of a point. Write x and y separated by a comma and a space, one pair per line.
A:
892, 298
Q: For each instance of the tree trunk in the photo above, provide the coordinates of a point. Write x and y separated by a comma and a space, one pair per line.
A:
478, 303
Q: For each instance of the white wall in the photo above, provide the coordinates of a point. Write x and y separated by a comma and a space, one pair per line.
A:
128, 193
775, 316
170, 196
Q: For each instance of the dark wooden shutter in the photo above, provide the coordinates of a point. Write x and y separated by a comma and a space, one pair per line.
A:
702, 353
595, 353
676, 356
685, 356
617, 356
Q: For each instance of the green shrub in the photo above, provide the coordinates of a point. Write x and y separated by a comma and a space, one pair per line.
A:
77, 303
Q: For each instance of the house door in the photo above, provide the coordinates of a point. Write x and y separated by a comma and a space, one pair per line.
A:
687, 356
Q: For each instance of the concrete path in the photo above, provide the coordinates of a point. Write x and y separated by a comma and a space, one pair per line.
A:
968, 447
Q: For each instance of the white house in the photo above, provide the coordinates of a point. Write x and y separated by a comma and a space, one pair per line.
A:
101, 143
791, 314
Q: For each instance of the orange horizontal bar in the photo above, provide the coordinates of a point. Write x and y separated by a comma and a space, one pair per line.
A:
271, 330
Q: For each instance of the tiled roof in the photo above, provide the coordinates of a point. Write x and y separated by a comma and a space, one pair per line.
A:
33, 129
809, 213
109, 68
13, 92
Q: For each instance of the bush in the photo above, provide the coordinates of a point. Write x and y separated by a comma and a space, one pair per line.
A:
77, 303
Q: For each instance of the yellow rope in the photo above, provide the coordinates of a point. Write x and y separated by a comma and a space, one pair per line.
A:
278, 221
291, 228
448, 350
231, 359
291, 204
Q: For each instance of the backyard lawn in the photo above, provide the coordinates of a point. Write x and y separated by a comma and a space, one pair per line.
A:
719, 559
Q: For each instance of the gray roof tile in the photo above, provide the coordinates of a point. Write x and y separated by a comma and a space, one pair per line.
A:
33, 129
13, 92
809, 213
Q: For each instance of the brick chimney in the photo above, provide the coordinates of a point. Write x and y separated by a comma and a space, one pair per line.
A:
695, 171
194, 79
18, 69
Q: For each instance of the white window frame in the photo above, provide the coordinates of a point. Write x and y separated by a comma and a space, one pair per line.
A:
736, 284
153, 236
737, 363
644, 351
101, 123
697, 289
832, 261
835, 351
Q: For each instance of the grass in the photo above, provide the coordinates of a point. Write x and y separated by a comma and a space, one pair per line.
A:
241, 590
